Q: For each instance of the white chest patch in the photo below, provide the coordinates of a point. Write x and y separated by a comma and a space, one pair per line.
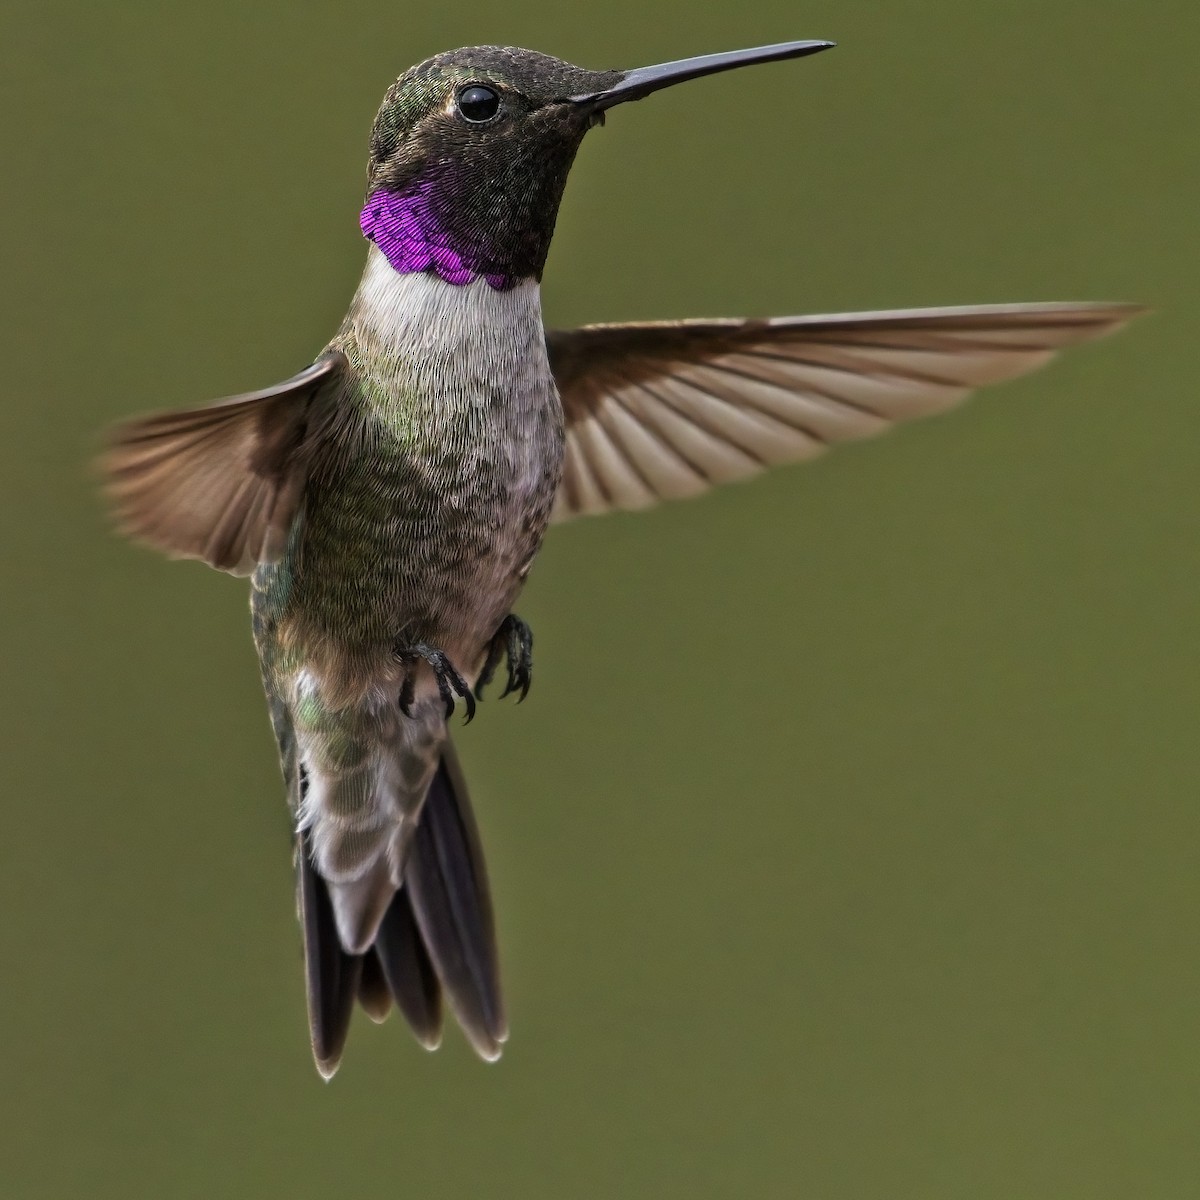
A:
424, 320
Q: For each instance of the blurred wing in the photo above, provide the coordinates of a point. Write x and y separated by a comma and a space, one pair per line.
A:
220, 483
666, 409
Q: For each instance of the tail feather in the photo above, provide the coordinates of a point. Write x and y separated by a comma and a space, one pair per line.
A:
411, 979
373, 992
448, 884
332, 975
436, 936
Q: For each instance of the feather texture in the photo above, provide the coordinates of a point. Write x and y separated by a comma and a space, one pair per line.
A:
436, 937
332, 975
448, 888
219, 483
411, 979
373, 992
664, 410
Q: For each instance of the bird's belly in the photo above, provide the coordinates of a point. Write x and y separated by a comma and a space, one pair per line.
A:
434, 550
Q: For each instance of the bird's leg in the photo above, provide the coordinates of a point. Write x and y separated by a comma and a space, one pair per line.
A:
449, 682
515, 639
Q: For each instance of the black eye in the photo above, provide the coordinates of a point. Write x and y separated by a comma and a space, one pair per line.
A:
478, 103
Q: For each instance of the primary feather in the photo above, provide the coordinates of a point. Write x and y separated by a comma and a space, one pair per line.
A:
664, 410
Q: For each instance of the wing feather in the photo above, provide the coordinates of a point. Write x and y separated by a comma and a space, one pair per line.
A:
663, 410
220, 483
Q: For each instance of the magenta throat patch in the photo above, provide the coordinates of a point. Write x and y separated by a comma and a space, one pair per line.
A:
404, 226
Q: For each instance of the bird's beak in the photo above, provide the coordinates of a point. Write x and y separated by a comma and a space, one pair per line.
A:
641, 81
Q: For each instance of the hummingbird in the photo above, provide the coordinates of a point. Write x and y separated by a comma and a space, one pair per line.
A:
389, 500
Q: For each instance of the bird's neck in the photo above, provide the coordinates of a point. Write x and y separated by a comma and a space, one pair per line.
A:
425, 342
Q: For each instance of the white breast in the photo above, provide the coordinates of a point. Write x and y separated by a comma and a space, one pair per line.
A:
451, 337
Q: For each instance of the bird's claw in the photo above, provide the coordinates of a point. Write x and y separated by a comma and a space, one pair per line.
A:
449, 682
515, 639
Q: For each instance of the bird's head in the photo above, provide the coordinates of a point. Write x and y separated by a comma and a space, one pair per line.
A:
470, 153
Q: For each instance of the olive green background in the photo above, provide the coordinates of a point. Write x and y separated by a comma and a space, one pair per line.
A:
847, 844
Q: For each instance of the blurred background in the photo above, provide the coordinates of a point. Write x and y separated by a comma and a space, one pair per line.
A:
847, 844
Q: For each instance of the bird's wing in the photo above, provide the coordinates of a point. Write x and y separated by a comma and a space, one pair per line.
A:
219, 483
663, 410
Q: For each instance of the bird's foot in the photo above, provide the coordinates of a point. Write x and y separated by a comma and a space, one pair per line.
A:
449, 682
515, 639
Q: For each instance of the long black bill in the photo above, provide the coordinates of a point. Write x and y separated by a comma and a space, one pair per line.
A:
641, 81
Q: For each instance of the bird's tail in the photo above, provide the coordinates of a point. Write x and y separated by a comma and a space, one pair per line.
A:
435, 937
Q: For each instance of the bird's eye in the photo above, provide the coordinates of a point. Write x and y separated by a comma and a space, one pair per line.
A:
478, 103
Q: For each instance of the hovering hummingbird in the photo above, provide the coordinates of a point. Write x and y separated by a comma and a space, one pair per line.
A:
389, 500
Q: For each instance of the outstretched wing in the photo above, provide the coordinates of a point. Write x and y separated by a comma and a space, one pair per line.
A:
219, 483
666, 409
